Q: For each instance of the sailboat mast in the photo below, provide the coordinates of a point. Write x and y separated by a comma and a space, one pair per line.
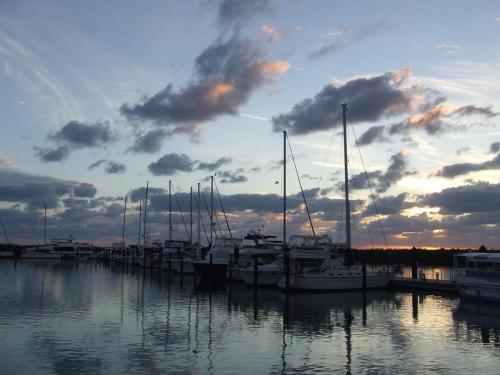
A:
140, 222
211, 208
191, 215
346, 182
145, 213
284, 187
45, 224
170, 210
198, 206
123, 225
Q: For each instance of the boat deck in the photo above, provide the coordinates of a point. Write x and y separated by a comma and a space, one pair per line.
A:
424, 284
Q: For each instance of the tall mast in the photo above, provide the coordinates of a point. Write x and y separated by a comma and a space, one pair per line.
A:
198, 225
211, 208
145, 213
123, 225
45, 224
284, 187
191, 215
140, 221
170, 210
346, 183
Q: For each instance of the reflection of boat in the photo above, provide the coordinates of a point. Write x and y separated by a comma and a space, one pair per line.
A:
477, 275
481, 315
334, 275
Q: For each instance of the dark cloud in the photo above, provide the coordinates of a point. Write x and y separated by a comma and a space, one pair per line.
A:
214, 165
85, 190
97, 164
379, 180
170, 164
495, 147
232, 177
371, 98
461, 150
234, 13
454, 170
149, 142
387, 205
82, 135
35, 194
139, 194
115, 168
48, 155
373, 134
477, 197
347, 37
226, 74
470, 110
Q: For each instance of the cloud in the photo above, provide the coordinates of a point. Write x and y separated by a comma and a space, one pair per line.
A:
345, 38
227, 72
373, 134
459, 169
272, 32
371, 98
476, 197
214, 165
111, 167
495, 147
387, 205
115, 168
97, 164
48, 155
83, 135
149, 142
35, 194
430, 121
170, 164
382, 181
449, 48
234, 13
470, 110
85, 190
232, 177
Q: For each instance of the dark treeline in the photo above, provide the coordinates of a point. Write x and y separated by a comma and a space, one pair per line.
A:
423, 257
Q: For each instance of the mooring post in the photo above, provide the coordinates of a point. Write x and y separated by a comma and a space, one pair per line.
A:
363, 270
182, 263
414, 268
255, 272
144, 259
169, 263
230, 269
287, 270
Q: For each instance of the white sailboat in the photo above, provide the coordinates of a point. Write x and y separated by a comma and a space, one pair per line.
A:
334, 274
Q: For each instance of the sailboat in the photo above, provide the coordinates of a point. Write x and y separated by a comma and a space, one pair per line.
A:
334, 273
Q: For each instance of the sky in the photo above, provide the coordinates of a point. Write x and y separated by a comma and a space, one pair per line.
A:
99, 98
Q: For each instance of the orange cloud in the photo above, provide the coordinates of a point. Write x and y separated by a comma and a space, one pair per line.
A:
217, 91
273, 67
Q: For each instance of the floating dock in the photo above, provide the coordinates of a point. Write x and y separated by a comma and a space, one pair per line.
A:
424, 284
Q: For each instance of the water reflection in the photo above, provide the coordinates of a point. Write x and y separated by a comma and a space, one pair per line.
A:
104, 319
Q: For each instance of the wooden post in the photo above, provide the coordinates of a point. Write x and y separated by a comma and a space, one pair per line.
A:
255, 272
414, 268
363, 269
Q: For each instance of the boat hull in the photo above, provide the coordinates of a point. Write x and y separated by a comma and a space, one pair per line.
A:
320, 282
478, 291
264, 278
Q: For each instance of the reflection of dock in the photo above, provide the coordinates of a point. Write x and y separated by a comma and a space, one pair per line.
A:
424, 284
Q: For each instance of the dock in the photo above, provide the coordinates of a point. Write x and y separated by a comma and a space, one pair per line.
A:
424, 284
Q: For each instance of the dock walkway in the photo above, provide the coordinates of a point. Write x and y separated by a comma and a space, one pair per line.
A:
424, 284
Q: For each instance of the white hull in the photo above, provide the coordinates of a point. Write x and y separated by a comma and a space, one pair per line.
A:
264, 277
324, 282
480, 291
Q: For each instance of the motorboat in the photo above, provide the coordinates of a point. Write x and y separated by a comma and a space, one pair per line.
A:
477, 275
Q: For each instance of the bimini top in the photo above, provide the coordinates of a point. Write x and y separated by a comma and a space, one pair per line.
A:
481, 257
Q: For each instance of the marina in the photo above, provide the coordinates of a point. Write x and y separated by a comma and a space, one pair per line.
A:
97, 318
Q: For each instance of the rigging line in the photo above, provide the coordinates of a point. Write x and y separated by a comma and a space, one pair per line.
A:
206, 206
361, 204
300, 184
218, 223
223, 210
369, 184
201, 219
180, 211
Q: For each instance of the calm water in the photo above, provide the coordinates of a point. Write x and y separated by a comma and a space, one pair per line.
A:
60, 318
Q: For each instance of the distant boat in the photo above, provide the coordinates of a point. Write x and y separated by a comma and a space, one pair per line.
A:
477, 276
335, 274
61, 248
